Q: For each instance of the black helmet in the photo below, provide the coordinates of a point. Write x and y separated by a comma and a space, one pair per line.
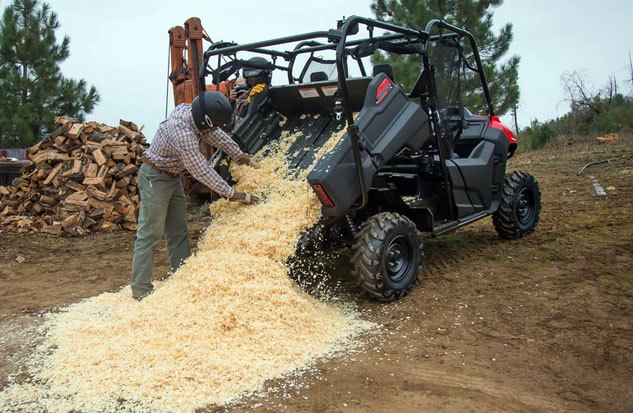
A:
211, 109
257, 66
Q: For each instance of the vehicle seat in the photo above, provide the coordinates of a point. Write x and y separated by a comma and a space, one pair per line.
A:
318, 76
384, 68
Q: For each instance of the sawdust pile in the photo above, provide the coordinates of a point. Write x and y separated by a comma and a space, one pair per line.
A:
216, 330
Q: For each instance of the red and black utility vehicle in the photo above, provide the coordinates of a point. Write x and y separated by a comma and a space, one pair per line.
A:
409, 161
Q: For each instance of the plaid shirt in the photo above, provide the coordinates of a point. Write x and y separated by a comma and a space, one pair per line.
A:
176, 147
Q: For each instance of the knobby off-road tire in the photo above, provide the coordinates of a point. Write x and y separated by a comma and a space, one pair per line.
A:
520, 206
387, 256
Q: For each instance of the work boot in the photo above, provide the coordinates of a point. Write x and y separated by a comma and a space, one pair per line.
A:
141, 297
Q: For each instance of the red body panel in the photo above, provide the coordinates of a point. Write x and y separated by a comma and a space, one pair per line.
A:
496, 123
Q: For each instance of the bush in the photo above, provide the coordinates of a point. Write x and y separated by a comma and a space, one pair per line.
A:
536, 136
615, 116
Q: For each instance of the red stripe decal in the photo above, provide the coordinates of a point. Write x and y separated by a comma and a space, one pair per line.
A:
383, 90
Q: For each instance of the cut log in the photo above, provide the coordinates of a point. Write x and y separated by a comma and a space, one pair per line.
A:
122, 183
96, 181
130, 125
127, 171
112, 191
77, 196
118, 156
75, 186
131, 215
69, 223
95, 193
125, 200
104, 128
99, 158
128, 132
75, 130
97, 214
118, 150
131, 226
53, 174
109, 226
98, 204
48, 200
59, 141
120, 208
40, 156
75, 169
74, 205
52, 229
102, 171
91, 169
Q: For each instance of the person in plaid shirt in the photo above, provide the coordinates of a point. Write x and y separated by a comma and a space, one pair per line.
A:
163, 209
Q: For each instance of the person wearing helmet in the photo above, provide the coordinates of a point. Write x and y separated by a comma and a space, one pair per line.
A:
257, 73
163, 210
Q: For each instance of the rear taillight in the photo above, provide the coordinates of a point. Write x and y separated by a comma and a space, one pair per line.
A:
322, 195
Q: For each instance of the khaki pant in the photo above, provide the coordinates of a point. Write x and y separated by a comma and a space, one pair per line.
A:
163, 211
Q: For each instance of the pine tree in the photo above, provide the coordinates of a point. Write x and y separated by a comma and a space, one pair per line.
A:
32, 88
476, 17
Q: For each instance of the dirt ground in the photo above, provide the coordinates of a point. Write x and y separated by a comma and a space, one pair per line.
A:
544, 323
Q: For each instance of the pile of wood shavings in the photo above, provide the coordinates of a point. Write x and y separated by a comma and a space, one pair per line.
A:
228, 320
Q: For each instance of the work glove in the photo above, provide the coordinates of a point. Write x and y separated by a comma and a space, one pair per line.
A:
244, 198
248, 160
255, 90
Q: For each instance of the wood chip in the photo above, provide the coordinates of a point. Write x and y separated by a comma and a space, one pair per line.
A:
219, 328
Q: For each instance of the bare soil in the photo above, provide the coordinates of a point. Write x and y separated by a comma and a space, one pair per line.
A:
543, 323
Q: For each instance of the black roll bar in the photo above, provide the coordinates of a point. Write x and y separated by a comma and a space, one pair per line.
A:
480, 69
430, 80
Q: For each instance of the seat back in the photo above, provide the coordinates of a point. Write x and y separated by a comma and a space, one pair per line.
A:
318, 76
384, 68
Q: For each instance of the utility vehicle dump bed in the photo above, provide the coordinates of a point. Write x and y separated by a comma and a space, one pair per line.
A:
387, 122
307, 108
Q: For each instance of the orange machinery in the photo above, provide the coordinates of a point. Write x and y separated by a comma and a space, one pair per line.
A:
184, 69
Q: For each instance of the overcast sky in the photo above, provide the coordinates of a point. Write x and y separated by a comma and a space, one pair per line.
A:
121, 46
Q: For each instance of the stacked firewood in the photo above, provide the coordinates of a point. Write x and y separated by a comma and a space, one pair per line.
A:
81, 180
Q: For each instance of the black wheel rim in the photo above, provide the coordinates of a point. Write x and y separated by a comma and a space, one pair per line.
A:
397, 258
525, 207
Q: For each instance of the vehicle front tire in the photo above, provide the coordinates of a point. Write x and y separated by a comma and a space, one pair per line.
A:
520, 206
387, 256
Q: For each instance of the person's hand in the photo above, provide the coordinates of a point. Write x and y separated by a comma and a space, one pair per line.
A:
232, 95
246, 159
255, 90
244, 198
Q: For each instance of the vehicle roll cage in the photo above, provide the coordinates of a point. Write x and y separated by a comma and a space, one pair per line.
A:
403, 40
400, 40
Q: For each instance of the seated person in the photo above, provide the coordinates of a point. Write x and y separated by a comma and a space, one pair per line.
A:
239, 88
257, 73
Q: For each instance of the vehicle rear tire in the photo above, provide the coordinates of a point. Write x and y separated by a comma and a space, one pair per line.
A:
387, 256
520, 206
